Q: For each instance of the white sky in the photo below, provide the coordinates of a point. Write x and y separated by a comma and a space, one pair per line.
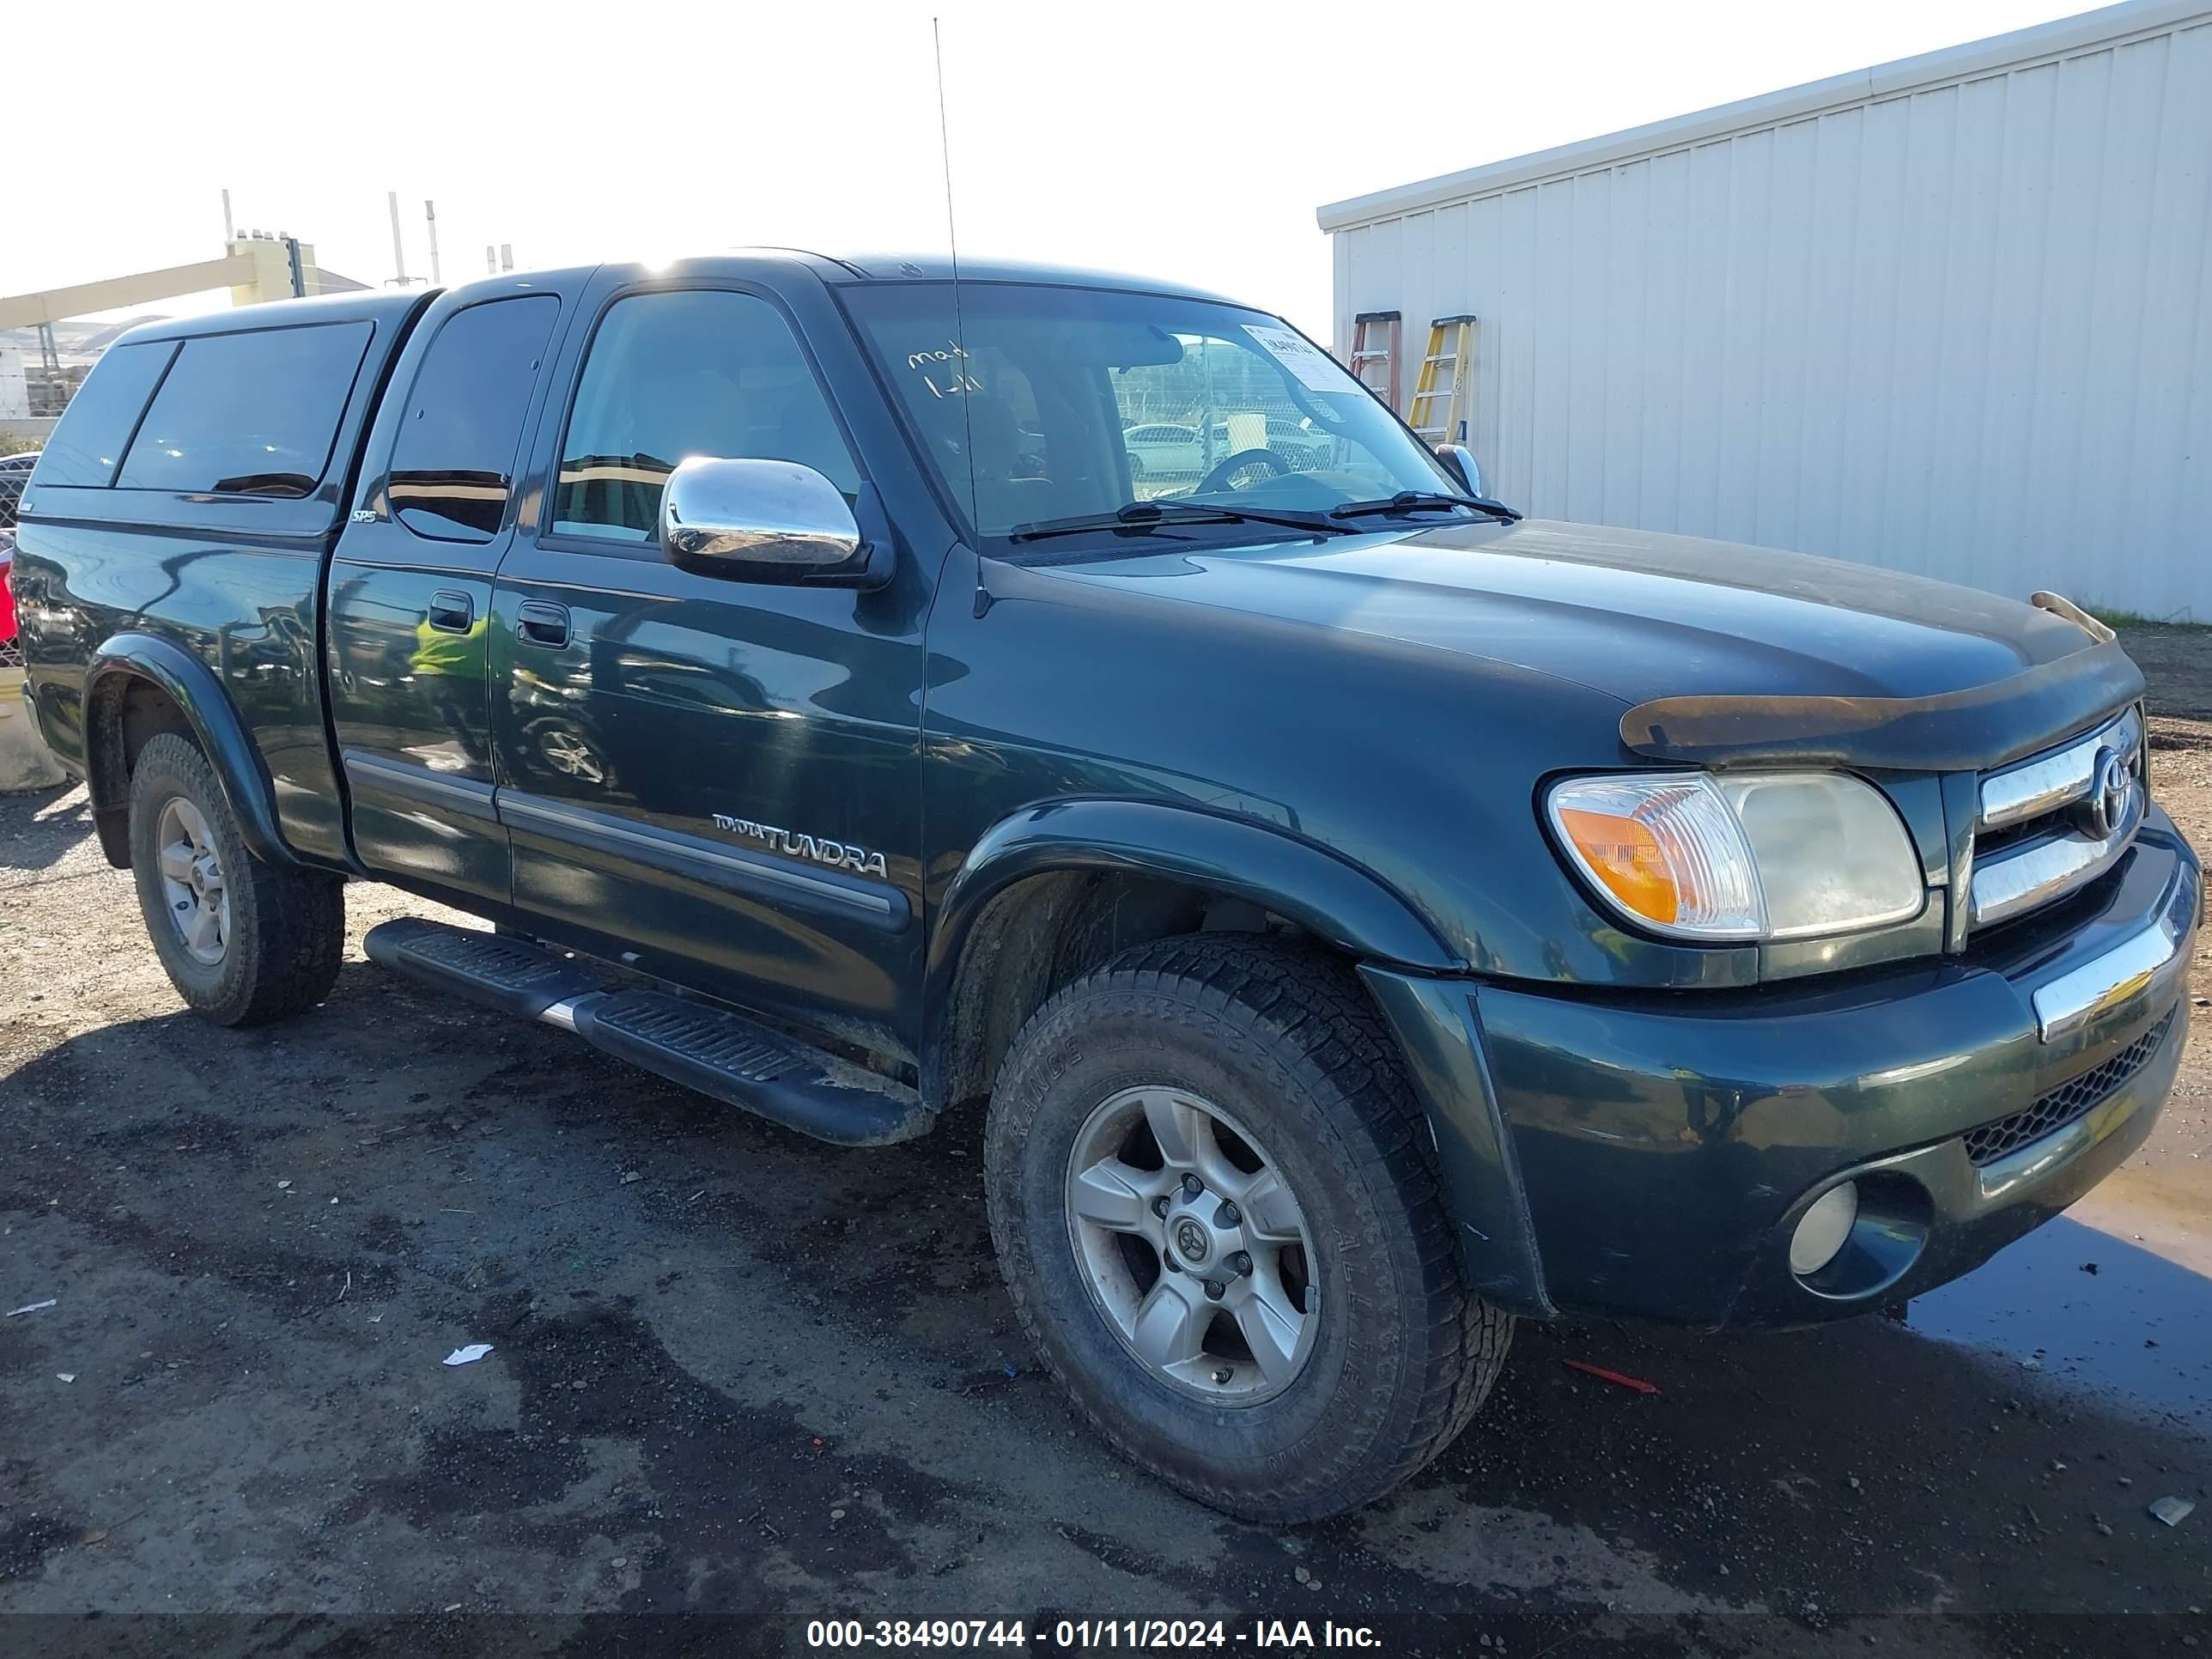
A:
1191, 140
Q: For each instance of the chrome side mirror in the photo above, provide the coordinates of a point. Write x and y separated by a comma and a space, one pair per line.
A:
763, 521
1459, 460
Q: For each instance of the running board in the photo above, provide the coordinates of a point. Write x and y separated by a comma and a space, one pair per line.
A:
737, 1059
495, 969
705, 1048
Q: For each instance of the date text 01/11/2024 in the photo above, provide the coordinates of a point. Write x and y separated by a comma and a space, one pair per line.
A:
1085, 1633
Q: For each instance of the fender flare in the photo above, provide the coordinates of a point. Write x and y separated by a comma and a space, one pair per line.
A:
1321, 891
1336, 900
191, 685
1405, 963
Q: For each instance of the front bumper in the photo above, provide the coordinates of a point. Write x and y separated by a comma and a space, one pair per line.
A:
1654, 1153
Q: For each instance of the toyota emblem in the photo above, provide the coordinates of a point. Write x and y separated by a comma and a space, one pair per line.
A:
1190, 1240
2112, 796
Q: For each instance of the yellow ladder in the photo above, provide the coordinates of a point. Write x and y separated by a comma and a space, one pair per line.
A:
1439, 409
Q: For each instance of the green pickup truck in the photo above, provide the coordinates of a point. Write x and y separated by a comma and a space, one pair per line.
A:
1371, 917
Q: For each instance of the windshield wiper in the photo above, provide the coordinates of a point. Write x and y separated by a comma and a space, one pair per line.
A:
1424, 501
1141, 516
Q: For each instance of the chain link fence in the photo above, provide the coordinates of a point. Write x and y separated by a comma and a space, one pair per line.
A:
1182, 420
15, 472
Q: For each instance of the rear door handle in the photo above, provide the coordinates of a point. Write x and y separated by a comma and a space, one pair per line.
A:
542, 623
451, 612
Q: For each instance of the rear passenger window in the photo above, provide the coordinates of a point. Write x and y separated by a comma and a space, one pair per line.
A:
452, 466
251, 414
87, 444
676, 374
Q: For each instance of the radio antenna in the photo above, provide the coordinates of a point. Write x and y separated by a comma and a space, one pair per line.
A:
960, 380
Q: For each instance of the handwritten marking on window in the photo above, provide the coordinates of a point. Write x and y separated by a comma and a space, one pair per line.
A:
947, 363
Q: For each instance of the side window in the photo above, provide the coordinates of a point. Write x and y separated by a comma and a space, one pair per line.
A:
452, 466
251, 414
89, 439
677, 375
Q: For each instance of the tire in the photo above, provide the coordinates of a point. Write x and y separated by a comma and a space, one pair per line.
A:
1279, 1049
277, 950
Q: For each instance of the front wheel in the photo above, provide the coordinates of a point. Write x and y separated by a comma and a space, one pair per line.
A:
243, 941
1218, 1213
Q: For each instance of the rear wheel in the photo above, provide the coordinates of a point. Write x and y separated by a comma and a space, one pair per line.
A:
243, 941
1219, 1215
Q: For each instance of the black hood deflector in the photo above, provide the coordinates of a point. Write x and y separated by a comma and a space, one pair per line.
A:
1965, 731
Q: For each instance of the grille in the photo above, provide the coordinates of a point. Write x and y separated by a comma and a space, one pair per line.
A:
2036, 839
2070, 1100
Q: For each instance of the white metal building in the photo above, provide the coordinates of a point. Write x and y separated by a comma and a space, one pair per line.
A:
14, 390
1950, 315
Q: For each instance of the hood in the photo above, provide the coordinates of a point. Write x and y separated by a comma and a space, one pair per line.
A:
1640, 616
1723, 653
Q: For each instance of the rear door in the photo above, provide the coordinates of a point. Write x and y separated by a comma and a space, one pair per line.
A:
716, 780
409, 604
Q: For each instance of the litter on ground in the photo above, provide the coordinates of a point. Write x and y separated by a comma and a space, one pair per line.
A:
1620, 1378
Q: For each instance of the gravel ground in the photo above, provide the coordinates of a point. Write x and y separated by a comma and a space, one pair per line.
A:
736, 1372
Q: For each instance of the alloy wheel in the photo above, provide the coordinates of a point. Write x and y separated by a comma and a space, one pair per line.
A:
192, 888
1192, 1245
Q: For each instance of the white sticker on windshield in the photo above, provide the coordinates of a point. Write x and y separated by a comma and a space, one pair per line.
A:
1315, 369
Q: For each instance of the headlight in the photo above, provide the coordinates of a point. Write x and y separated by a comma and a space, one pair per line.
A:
1747, 855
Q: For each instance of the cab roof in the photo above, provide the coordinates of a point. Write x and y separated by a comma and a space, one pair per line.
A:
846, 270
842, 270
937, 267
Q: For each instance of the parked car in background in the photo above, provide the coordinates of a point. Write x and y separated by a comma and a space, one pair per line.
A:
1169, 452
1300, 441
1170, 447
1363, 918
14, 473
11, 649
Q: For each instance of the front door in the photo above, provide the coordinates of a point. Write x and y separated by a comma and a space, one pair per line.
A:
410, 600
715, 780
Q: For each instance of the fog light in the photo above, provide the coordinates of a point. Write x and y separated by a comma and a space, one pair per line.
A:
1824, 1227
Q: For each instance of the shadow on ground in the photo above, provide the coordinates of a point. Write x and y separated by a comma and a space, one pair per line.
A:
44, 825
734, 1370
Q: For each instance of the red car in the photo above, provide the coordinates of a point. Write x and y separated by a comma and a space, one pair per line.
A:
9, 651
14, 473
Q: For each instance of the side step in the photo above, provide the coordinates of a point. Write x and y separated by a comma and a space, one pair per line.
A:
732, 1057
708, 1048
511, 974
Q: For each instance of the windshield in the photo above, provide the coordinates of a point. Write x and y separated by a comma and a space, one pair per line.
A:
1046, 404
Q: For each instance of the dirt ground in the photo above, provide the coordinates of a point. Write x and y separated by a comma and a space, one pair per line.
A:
736, 1372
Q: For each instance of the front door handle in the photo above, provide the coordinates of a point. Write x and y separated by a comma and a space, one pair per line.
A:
451, 612
542, 623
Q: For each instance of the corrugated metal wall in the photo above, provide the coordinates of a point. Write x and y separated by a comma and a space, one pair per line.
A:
1966, 331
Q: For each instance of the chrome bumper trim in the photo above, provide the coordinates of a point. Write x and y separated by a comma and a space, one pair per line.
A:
2137, 962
